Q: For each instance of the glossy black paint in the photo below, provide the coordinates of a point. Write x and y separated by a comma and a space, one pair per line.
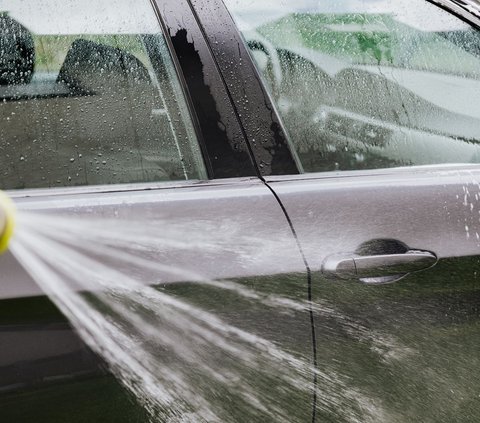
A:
223, 142
262, 126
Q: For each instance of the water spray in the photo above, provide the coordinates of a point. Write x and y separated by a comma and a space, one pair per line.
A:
7, 220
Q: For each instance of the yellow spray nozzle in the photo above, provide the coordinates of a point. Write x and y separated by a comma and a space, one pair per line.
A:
7, 220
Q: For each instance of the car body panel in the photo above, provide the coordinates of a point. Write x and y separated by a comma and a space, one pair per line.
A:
232, 203
407, 347
241, 235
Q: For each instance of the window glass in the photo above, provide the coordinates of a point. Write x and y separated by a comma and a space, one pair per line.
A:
89, 95
368, 84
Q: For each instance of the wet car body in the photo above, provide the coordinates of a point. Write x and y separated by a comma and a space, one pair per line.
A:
413, 332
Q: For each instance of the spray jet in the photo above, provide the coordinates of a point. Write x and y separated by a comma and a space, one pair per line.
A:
7, 221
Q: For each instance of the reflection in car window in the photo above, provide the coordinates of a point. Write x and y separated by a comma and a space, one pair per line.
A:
89, 95
368, 84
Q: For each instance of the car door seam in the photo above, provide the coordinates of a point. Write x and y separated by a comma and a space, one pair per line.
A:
309, 297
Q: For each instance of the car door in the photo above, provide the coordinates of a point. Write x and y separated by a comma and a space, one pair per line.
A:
107, 119
377, 100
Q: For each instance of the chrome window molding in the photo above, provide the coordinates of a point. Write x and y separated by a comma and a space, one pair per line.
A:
469, 10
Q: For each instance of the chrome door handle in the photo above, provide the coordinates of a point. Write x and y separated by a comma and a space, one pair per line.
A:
377, 269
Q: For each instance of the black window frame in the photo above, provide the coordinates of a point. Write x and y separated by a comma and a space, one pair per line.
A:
220, 134
262, 126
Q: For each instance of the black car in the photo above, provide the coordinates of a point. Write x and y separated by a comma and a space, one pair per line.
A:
321, 161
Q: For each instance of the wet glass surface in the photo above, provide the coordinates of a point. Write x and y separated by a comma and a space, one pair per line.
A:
91, 98
365, 85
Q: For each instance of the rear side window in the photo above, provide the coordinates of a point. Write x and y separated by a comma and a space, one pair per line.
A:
89, 95
368, 84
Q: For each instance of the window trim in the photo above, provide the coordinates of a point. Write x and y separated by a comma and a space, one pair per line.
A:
263, 127
132, 187
466, 10
219, 130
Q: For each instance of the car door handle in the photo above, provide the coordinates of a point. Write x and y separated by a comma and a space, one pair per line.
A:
377, 269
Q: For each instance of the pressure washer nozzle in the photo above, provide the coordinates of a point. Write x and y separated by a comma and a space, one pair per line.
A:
7, 220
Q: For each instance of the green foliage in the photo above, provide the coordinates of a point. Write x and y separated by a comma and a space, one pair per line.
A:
379, 45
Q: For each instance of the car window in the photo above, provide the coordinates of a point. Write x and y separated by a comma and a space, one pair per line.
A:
368, 84
89, 95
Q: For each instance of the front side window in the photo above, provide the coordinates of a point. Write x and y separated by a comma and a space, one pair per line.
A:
89, 95
368, 84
